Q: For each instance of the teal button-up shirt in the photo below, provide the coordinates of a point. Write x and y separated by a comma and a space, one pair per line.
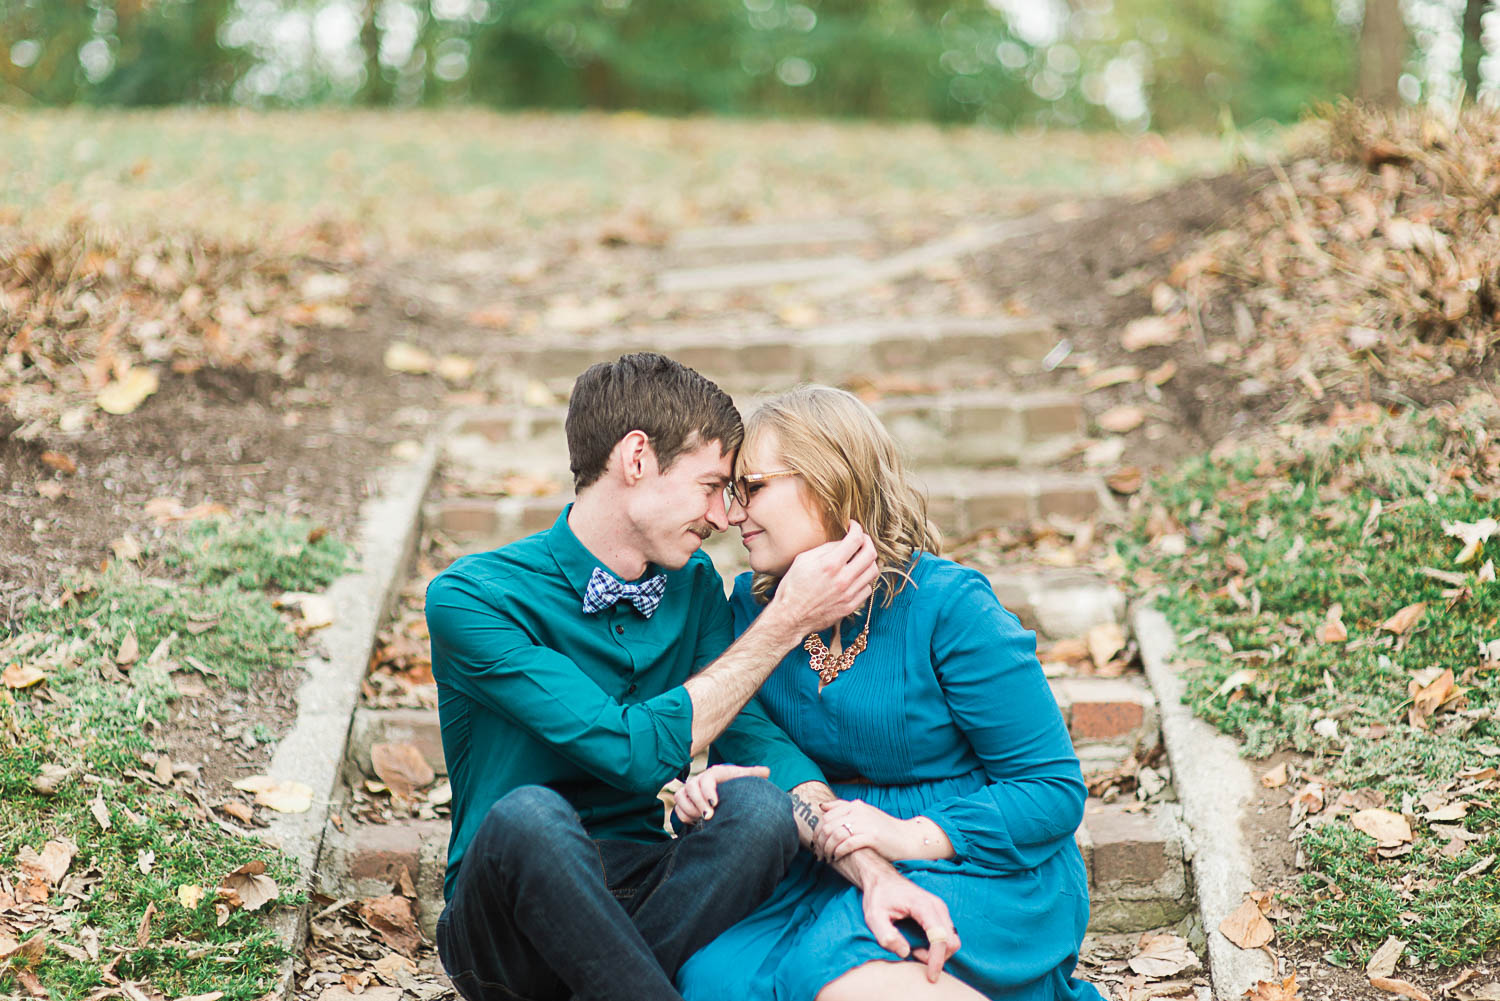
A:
533, 691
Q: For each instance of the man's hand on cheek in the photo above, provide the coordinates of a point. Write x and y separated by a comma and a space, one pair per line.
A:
830, 582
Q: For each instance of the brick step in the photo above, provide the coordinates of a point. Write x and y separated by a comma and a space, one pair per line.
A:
1109, 719
364, 860
742, 358
965, 427
961, 502
1139, 877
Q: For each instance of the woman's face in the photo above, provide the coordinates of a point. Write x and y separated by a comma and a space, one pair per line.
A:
780, 518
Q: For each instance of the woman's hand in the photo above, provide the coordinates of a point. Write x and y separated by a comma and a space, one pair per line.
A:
696, 800
851, 824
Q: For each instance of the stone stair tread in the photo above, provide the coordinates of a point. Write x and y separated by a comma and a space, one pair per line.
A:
748, 274
772, 235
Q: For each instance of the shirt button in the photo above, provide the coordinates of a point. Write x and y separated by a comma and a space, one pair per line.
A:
631, 689
620, 630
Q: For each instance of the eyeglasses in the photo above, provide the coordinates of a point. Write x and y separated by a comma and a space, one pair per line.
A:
742, 488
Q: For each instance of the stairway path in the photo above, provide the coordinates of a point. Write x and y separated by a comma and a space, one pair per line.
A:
994, 436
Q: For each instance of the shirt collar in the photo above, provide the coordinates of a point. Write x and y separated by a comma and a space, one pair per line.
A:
574, 559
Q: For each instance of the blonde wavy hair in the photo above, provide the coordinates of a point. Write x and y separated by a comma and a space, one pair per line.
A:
854, 471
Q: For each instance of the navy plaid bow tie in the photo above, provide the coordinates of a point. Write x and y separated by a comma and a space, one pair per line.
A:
604, 590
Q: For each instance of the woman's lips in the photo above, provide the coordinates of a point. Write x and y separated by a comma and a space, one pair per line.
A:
745, 539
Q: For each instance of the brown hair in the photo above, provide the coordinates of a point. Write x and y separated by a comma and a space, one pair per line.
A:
677, 409
853, 468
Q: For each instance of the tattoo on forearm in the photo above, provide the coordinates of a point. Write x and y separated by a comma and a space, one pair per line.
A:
803, 810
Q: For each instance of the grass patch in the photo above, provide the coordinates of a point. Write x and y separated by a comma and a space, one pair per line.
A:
462, 176
1248, 553
94, 730
259, 552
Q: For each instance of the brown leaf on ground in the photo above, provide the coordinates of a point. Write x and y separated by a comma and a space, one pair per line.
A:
126, 394
61, 462
1429, 691
281, 795
1152, 331
380, 992
1274, 990
130, 650
1332, 629
1163, 955
1405, 618
1275, 778
401, 767
31, 984
1125, 480
1383, 962
1400, 987
50, 865
1122, 419
251, 885
1387, 827
18, 676
392, 919
143, 930
1247, 927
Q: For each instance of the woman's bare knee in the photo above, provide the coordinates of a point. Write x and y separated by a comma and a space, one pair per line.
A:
896, 981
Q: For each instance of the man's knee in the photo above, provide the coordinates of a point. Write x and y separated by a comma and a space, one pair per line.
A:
521, 816
761, 809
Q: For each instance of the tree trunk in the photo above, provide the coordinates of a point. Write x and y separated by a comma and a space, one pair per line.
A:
1382, 53
373, 91
1473, 46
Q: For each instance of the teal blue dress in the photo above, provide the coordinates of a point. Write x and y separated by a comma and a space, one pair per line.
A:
947, 715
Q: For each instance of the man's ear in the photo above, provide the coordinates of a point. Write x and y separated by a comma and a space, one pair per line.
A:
636, 457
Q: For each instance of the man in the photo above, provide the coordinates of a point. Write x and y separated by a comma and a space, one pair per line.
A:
581, 669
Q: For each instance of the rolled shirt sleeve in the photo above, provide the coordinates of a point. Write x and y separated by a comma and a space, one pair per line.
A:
490, 658
986, 664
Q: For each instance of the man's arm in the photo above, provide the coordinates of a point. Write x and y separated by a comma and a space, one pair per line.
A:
823, 586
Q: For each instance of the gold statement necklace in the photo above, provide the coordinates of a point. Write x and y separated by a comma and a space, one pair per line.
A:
828, 666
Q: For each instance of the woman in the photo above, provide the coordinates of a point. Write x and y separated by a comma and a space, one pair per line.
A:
931, 718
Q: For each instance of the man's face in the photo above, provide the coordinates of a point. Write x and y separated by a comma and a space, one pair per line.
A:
675, 511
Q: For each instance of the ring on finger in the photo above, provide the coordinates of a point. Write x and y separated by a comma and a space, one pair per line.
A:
848, 828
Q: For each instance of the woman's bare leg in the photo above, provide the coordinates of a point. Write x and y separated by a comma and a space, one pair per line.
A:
896, 981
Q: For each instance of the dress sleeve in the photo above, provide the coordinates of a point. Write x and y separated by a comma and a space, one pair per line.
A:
751, 738
488, 655
986, 665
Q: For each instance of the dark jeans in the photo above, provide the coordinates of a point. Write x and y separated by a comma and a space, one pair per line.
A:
542, 911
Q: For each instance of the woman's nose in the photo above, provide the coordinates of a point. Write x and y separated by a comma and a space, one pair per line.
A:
735, 511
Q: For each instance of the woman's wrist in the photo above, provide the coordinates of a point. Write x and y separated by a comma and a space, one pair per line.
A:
926, 839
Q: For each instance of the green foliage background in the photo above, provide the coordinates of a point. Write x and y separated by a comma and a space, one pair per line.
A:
929, 59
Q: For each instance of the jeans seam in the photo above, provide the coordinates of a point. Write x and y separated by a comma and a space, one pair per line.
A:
666, 876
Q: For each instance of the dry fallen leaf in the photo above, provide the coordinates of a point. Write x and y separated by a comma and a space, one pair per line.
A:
61, 462
1237, 679
130, 650
1125, 480
20, 676
455, 368
1473, 534
401, 767
1152, 331
1105, 378
392, 919
401, 357
1247, 927
1400, 987
1428, 694
1388, 828
189, 895
1331, 629
143, 930
1122, 419
1383, 962
1275, 778
250, 884
281, 795
100, 811
1163, 955
1405, 618
316, 610
128, 392
50, 865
